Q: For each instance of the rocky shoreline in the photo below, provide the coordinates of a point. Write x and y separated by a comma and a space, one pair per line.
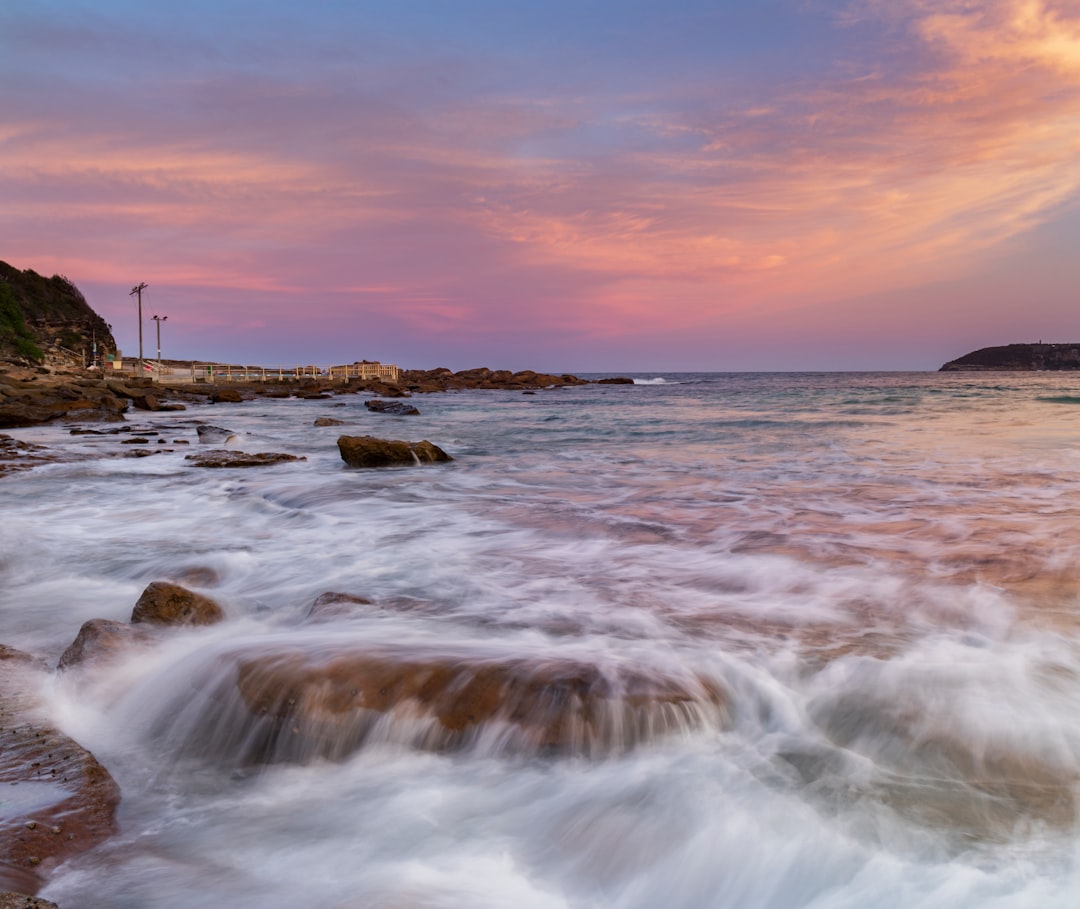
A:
78, 809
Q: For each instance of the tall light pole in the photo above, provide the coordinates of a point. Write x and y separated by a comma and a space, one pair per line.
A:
137, 291
159, 320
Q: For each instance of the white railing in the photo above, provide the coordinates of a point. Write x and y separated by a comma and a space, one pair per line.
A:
219, 372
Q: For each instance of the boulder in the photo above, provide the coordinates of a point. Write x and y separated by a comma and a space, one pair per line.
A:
99, 640
328, 421
225, 396
223, 458
395, 408
163, 603
296, 705
368, 451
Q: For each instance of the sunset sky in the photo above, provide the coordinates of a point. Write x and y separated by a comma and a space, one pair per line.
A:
595, 185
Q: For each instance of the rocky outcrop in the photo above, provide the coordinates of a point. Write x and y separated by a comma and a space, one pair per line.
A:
442, 379
28, 399
394, 408
48, 320
58, 800
1018, 357
163, 603
225, 458
368, 451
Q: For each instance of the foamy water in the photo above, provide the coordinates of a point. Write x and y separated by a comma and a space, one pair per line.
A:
702, 641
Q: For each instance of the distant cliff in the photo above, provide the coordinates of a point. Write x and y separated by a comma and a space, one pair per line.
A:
1018, 357
47, 319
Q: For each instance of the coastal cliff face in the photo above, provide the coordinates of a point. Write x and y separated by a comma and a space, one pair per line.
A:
1018, 357
47, 319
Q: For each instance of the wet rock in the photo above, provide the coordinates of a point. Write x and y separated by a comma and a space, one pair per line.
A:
223, 458
395, 408
333, 604
295, 706
74, 797
209, 435
22, 901
145, 402
163, 603
328, 421
101, 639
368, 451
615, 380
226, 396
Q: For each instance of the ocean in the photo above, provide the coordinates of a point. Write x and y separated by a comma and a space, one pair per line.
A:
760, 641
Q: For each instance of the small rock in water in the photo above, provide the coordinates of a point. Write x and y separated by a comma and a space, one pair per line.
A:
394, 408
368, 451
163, 603
208, 433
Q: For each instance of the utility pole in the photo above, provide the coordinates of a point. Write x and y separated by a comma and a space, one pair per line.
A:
137, 291
159, 320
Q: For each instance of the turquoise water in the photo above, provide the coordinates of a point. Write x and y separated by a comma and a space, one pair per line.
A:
771, 641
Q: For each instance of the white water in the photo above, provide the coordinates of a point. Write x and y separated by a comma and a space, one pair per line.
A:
879, 573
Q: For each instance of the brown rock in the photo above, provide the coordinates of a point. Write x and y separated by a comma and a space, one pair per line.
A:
226, 396
368, 451
145, 402
22, 901
328, 421
163, 603
223, 458
99, 640
76, 798
295, 706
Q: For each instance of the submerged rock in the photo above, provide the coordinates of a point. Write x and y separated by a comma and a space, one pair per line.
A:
290, 705
328, 421
71, 799
368, 451
163, 603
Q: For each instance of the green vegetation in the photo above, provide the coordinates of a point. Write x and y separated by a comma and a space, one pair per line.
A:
39, 314
13, 330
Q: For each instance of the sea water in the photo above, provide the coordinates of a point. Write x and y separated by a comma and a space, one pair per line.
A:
830, 623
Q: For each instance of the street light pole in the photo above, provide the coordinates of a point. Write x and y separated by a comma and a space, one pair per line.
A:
159, 320
137, 291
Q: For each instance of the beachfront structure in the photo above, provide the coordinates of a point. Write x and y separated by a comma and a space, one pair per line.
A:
231, 372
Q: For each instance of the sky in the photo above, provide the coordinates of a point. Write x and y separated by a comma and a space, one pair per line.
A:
567, 185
